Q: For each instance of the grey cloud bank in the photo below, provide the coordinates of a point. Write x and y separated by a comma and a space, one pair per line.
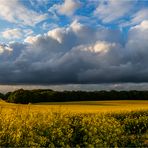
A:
77, 87
77, 54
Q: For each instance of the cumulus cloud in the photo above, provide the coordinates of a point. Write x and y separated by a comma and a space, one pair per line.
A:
68, 7
110, 10
14, 11
101, 47
78, 54
137, 42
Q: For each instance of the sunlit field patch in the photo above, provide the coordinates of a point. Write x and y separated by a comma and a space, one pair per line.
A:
81, 107
75, 124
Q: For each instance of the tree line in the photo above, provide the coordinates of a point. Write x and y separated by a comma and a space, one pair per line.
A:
48, 95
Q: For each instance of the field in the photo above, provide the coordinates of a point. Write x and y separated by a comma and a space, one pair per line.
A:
80, 107
75, 124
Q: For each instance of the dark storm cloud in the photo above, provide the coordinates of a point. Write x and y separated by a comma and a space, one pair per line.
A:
77, 54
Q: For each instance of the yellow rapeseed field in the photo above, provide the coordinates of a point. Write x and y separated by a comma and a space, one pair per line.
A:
74, 124
79, 107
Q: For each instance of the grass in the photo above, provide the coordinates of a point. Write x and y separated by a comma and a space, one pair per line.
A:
74, 124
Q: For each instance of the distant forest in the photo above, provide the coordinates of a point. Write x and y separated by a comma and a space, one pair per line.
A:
47, 95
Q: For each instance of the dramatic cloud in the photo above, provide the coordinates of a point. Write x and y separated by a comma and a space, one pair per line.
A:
77, 54
60, 56
72, 41
13, 11
110, 10
137, 42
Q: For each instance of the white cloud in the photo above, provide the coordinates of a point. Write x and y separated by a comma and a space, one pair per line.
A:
103, 47
98, 47
27, 32
58, 34
13, 11
142, 26
110, 10
31, 39
37, 3
139, 16
76, 26
49, 26
136, 18
16, 33
68, 7
12, 34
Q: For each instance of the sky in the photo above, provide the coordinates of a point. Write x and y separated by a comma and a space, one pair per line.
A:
51, 42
